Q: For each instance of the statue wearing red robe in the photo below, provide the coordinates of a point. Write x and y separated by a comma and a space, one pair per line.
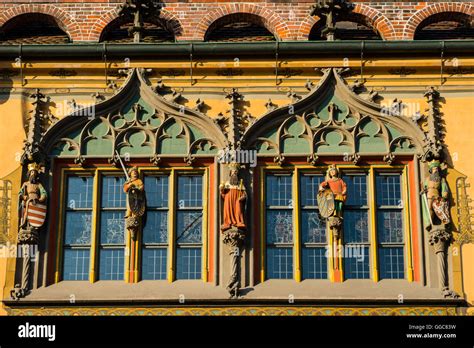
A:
234, 198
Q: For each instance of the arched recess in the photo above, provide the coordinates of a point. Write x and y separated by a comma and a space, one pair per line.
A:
362, 15
446, 7
239, 27
446, 26
136, 122
272, 21
43, 27
167, 26
333, 121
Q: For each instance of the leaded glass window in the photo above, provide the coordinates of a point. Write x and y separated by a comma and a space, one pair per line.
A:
279, 226
390, 226
189, 215
155, 229
78, 222
112, 229
313, 229
356, 227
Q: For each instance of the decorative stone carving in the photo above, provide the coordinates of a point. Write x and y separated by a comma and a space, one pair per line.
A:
434, 134
465, 223
139, 10
330, 11
332, 120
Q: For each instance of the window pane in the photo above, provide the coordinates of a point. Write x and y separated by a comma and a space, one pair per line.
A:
112, 192
357, 265
156, 227
309, 189
76, 264
279, 190
313, 229
112, 227
280, 263
188, 264
391, 263
154, 264
315, 263
279, 226
356, 227
189, 227
388, 190
189, 191
78, 227
111, 264
389, 226
156, 188
356, 189
79, 192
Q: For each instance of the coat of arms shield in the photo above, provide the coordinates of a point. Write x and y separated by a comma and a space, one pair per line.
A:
137, 201
36, 214
326, 203
441, 209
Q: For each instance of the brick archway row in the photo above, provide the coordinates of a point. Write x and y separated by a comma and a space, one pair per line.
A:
282, 30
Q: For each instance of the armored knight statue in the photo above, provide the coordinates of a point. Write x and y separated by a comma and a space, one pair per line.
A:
33, 198
136, 203
234, 227
33, 209
435, 196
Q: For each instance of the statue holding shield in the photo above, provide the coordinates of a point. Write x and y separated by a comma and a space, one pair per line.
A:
435, 196
331, 198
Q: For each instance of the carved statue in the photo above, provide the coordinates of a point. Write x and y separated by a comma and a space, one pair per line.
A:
436, 190
331, 198
234, 226
234, 196
337, 187
136, 203
435, 195
33, 209
33, 206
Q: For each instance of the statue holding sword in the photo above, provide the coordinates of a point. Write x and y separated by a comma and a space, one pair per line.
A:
136, 201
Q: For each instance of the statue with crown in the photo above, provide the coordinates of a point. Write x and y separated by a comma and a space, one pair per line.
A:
234, 227
33, 209
331, 198
436, 217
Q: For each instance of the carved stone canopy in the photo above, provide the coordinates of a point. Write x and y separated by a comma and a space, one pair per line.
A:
136, 122
332, 120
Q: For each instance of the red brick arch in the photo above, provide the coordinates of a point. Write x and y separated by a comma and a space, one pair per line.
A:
419, 16
96, 30
375, 19
65, 21
272, 21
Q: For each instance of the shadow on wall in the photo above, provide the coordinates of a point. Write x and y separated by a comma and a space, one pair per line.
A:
6, 84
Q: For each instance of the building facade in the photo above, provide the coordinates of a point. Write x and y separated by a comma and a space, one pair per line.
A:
236, 158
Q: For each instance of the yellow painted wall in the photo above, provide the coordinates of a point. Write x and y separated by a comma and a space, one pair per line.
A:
457, 114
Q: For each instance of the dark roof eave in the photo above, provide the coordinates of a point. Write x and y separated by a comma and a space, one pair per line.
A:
183, 50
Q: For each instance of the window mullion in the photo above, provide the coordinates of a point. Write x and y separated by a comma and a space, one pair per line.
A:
204, 236
373, 225
297, 230
407, 225
172, 226
94, 233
